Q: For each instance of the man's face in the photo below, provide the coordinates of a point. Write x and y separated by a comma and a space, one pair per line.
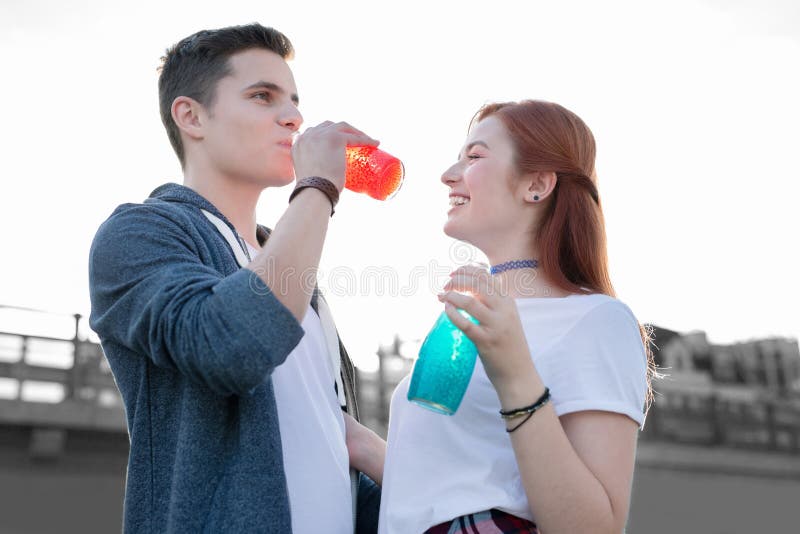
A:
248, 129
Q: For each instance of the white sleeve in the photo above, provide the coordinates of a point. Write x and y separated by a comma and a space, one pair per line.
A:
601, 364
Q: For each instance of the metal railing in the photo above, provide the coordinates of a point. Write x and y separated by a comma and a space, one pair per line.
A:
769, 424
57, 382
88, 398
761, 421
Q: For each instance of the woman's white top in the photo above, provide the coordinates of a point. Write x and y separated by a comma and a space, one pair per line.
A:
588, 351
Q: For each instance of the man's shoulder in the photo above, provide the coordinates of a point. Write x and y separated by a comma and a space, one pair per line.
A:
153, 213
151, 228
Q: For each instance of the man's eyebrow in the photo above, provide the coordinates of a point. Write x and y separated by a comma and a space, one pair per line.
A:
472, 144
273, 87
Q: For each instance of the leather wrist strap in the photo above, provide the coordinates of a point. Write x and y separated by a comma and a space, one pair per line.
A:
323, 184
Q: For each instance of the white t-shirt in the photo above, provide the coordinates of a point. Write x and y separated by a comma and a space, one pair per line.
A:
312, 428
588, 351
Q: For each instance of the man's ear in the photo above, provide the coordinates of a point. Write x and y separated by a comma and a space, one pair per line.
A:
189, 115
538, 185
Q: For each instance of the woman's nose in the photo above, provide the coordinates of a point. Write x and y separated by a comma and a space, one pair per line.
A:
451, 175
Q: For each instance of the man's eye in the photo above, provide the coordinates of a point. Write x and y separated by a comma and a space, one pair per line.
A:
473, 156
263, 96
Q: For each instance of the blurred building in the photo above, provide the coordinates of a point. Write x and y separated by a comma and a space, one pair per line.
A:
744, 395
719, 451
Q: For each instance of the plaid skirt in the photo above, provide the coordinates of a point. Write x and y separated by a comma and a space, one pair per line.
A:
488, 522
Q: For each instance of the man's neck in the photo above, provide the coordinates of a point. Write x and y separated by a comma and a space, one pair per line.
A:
234, 199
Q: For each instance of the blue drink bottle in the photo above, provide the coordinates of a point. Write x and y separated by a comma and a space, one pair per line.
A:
444, 367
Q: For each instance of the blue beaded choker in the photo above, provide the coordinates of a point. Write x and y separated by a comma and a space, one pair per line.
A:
515, 264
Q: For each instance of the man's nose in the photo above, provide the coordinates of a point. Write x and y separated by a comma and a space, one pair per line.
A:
291, 118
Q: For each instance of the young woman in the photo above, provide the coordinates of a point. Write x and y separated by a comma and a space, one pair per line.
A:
546, 434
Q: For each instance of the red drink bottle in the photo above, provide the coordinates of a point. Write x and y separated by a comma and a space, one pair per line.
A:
373, 171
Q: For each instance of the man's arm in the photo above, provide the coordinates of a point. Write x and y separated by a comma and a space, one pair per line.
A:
151, 293
288, 262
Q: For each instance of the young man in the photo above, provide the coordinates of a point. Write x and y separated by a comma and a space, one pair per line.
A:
233, 378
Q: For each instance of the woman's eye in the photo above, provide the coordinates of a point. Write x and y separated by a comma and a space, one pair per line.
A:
263, 96
473, 156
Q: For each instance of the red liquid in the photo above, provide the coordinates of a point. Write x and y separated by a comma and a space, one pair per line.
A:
373, 171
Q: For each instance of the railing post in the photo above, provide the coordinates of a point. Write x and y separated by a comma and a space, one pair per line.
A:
652, 423
22, 364
772, 430
74, 376
717, 434
384, 418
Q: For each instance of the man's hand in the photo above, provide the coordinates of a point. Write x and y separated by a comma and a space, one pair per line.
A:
366, 449
320, 150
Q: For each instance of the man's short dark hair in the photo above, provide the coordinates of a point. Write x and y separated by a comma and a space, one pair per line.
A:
193, 66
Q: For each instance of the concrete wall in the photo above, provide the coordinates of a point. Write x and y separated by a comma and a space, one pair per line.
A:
711, 490
677, 488
79, 491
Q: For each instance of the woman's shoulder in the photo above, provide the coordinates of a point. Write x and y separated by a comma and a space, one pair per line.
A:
600, 309
578, 305
576, 316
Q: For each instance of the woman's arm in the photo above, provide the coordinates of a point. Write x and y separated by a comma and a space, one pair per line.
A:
577, 470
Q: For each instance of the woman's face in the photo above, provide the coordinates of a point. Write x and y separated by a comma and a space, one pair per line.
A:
484, 206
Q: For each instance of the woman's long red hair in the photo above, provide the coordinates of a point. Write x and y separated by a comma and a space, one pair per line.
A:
571, 236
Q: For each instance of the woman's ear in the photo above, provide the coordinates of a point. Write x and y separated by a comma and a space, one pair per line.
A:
189, 116
538, 185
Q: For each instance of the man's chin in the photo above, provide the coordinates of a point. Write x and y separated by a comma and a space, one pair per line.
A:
280, 180
285, 180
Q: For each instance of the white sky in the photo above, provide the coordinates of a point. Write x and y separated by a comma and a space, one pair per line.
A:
694, 106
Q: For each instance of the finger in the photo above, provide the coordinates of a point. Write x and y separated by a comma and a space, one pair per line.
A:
320, 126
470, 329
361, 137
487, 290
353, 139
471, 284
477, 269
469, 304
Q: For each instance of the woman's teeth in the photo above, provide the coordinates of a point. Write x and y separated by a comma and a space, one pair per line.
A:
458, 201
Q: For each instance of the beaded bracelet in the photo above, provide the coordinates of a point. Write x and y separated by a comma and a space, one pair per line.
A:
528, 410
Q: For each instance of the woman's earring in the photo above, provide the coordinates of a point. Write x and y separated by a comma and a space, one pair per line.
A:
536, 198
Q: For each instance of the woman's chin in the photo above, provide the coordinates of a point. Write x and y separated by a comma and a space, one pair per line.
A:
451, 229
448, 229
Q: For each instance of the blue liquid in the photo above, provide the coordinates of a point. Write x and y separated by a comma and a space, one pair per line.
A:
444, 368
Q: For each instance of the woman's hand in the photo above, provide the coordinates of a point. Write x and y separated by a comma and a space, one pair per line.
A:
499, 337
366, 449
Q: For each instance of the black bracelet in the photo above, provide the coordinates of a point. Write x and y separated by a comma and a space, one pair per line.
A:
510, 430
527, 410
317, 182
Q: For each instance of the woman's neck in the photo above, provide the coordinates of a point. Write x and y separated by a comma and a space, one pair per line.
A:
523, 282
